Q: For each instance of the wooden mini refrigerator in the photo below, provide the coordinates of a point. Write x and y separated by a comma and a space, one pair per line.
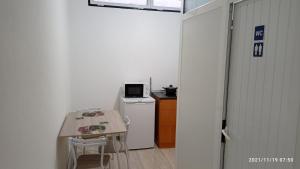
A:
165, 120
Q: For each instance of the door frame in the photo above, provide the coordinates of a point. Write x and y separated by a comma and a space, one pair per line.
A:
232, 4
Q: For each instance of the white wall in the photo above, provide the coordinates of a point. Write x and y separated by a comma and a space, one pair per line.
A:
33, 82
109, 46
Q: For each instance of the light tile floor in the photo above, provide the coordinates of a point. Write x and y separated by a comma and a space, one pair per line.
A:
154, 158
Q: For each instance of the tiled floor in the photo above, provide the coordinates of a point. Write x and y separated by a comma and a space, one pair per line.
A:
148, 159
151, 159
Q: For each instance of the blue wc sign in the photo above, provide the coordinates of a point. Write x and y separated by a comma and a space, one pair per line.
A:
259, 33
258, 47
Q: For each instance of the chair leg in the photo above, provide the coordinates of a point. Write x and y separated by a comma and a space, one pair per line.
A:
69, 162
109, 165
118, 159
127, 156
127, 159
117, 151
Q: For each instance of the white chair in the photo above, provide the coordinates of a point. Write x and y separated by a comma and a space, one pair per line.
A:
121, 144
100, 160
89, 110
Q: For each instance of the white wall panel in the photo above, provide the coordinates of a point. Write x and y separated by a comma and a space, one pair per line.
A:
294, 30
297, 154
198, 138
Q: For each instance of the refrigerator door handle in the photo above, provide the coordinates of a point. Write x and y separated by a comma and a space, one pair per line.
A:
142, 103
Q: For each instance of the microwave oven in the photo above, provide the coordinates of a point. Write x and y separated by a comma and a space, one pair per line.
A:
136, 90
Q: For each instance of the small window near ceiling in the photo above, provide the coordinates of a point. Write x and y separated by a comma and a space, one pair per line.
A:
167, 3
158, 5
128, 2
192, 4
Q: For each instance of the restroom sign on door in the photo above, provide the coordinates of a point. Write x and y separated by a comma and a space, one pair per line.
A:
258, 47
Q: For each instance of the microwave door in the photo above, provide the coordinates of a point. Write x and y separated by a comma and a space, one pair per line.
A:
134, 90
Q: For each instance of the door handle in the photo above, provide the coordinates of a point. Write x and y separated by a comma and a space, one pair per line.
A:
225, 133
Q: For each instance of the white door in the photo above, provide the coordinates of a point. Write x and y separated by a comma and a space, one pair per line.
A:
263, 93
141, 129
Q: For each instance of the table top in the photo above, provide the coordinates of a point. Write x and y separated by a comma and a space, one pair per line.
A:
162, 95
111, 120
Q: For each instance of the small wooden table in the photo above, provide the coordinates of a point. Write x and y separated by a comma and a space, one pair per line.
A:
114, 124
112, 120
